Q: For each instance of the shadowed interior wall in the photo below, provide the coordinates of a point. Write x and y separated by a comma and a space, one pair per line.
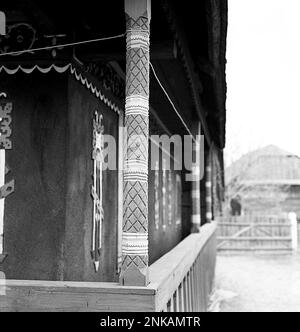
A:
35, 212
166, 231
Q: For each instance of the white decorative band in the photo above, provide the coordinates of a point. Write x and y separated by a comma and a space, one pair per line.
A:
208, 169
208, 215
136, 104
208, 184
138, 164
136, 100
135, 177
196, 170
196, 219
135, 244
137, 110
137, 40
196, 194
208, 199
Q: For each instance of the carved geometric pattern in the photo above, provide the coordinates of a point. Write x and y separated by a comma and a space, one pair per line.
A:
138, 261
135, 212
142, 23
5, 125
137, 130
137, 78
136, 207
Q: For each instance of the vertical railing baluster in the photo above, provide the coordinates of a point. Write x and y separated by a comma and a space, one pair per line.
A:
172, 304
181, 303
169, 306
192, 288
185, 288
198, 283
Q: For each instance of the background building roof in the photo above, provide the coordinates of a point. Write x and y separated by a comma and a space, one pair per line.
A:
269, 165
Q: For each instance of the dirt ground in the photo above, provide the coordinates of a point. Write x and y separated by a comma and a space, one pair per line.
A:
258, 283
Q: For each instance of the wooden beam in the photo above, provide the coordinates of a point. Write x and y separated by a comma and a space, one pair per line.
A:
58, 296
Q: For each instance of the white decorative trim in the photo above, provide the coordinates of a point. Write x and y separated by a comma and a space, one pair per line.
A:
208, 184
137, 105
137, 39
196, 194
97, 187
156, 191
62, 69
135, 244
170, 199
136, 167
84, 81
58, 69
141, 177
196, 219
178, 202
208, 199
196, 170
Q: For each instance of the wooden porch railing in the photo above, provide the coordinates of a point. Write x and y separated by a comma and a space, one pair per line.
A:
181, 281
183, 278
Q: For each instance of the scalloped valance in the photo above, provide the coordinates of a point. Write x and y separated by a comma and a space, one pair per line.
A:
63, 69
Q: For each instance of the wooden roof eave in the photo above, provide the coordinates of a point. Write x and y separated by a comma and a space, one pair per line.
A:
189, 65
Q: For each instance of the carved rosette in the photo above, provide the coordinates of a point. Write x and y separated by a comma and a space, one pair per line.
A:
134, 269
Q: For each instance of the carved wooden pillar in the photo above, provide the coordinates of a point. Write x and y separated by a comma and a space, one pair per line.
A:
196, 201
208, 187
134, 270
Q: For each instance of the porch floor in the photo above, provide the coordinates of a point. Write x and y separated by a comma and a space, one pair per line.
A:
258, 283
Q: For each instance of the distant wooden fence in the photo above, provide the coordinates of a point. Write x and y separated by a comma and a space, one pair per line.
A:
257, 233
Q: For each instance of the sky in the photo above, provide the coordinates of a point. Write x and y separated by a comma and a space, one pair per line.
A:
263, 76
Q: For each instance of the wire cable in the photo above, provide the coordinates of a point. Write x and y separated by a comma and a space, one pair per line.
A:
171, 102
63, 45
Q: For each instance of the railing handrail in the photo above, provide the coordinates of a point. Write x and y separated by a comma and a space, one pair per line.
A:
167, 273
178, 272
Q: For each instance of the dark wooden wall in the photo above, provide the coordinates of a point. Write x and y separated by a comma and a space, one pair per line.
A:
35, 212
78, 229
48, 219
